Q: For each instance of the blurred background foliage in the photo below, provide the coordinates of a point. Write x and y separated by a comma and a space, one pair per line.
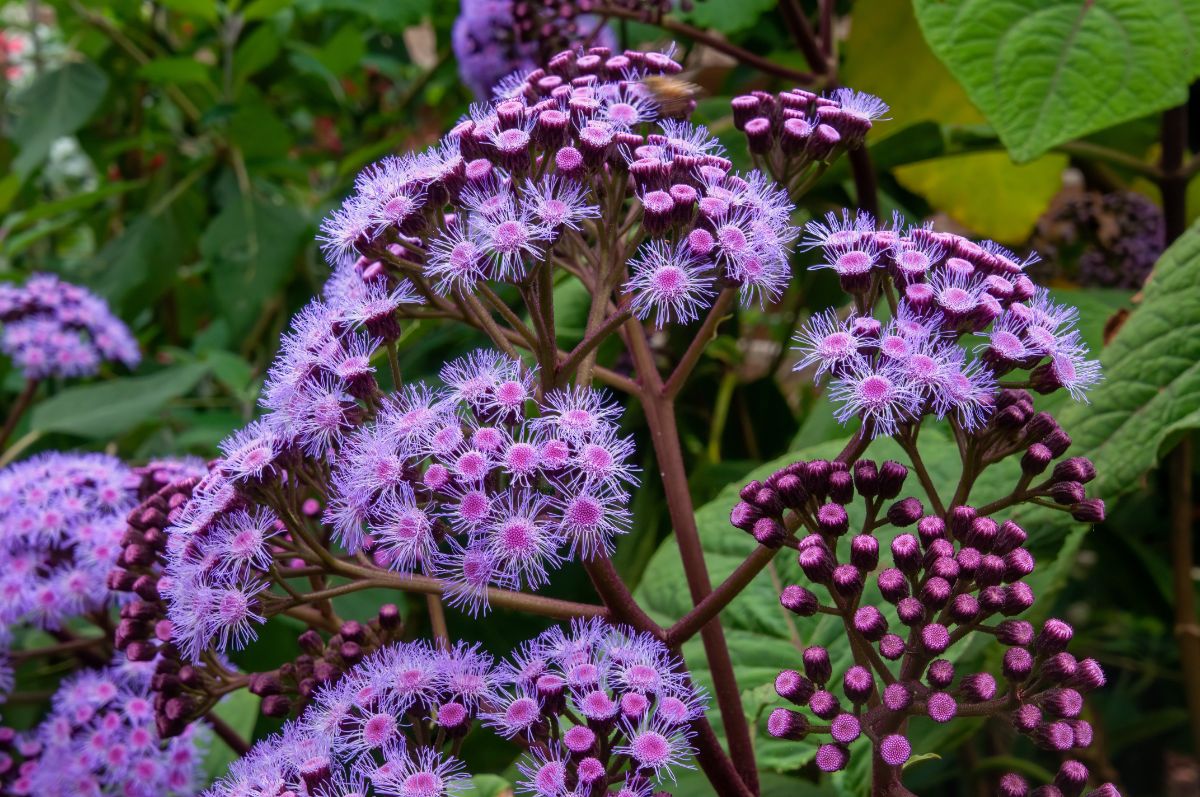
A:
176, 156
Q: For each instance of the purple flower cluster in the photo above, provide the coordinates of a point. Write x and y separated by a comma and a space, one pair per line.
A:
99, 740
459, 482
532, 179
492, 39
61, 521
54, 328
943, 290
598, 707
960, 574
380, 730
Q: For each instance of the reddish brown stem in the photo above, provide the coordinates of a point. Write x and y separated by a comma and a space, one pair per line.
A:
227, 734
17, 410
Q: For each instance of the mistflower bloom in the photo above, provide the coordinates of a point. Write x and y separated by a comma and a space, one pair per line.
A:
358, 736
947, 289
62, 517
100, 739
669, 283
637, 698
52, 328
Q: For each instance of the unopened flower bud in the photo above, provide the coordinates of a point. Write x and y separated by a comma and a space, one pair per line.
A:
864, 552
816, 664
905, 512
791, 685
784, 723
799, 601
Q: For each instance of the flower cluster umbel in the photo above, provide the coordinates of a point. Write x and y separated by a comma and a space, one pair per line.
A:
99, 740
943, 293
598, 707
54, 328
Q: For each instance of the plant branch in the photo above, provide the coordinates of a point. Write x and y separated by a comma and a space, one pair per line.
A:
17, 410
704, 336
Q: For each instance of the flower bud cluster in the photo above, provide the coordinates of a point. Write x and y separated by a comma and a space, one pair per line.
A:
790, 131
599, 707
908, 600
99, 739
942, 290
387, 728
563, 154
55, 329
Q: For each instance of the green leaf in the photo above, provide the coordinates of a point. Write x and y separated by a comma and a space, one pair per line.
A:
728, 16
250, 247
174, 70
200, 9
107, 409
1047, 71
56, 104
489, 786
261, 9
1007, 211
239, 709
255, 53
1151, 387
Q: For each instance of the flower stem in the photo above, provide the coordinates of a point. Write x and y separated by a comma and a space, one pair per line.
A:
17, 410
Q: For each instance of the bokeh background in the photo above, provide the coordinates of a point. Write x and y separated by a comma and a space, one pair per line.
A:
177, 156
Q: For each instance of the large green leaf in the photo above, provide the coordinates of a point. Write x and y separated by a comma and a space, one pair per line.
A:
56, 104
1048, 71
239, 710
728, 16
104, 410
1151, 387
251, 246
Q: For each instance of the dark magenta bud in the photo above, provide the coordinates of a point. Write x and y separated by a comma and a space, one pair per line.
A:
1018, 597
906, 553
858, 684
824, 704
847, 580
791, 685
1083, 732
745, 107
768, 501
845, 728
1075, 469
832, 519
816, 563
822, 141
141, 651
983, 533
940, 673
905, 512
946, 568
1089, 511
1107, 790
276, 706
769, 532
791, 490
1012, 785
930, 528
992, 599
897, 696
1056, 736
979, 687
744, 516
389, 616
936, 592
1036, 459
891, 479
1060, 668
870, 622
784, 723
841, 487
964, 608
816, 664
1054, 637
1067, 493
264, 684
1063, 703
1088, 676
891, 647
866, 478
1027, 718
935, 639
990, 571
1017, 564
864, 552
758, 135
1010, 537
892, 585
799, 601
1072, 776
961, 518
1018, 664
816, 476
941, 707
1015, 632
1058, 442
910, 611
1040, 425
